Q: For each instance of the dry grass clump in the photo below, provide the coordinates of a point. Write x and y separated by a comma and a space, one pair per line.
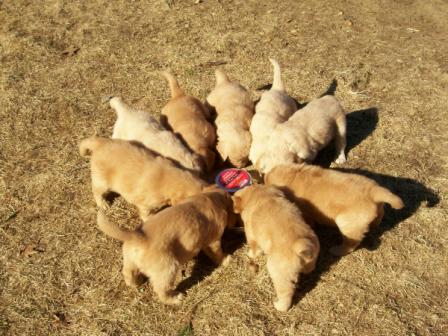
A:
60, 276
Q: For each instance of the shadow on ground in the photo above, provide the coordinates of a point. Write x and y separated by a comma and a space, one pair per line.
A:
413, 194
232, 240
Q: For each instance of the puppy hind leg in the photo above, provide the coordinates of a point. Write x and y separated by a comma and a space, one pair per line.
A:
163, 283
100, 189
253, 252
353, 227
341, 139
130, 271
214, 252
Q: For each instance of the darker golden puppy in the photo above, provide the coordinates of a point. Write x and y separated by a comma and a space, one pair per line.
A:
172, 237
187, 117
142, 178
351, 202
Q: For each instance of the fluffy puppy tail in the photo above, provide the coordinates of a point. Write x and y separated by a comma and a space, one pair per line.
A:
88, 146
113, 230
176, 91
382, 195
277, 83
221, 77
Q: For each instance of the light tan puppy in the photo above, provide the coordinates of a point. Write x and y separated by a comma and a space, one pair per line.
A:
139, 125
351, 202
187, 117
305, 133
142, 178
275, 226
274, 108
234, 109
172, 237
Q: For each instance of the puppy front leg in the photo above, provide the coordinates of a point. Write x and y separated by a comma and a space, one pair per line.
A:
341, 135
284, 286
214, 252
253, 252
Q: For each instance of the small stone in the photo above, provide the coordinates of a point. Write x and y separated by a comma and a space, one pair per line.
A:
197, 1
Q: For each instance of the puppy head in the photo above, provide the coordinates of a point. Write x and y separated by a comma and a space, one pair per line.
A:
222, 200
248, 194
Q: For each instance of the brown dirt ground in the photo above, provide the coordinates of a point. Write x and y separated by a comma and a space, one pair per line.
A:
60, 276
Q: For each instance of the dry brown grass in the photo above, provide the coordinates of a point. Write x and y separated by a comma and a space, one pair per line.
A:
58, 58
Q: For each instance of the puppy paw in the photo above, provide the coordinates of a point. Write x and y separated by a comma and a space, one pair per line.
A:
226, 260
281, 306
174, 299
340, 250
341, 159
253, 268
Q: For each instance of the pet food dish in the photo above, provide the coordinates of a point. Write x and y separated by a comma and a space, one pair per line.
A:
233, 179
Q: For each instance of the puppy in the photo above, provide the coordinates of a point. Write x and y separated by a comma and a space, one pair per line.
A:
351, 202
171, 238
275, 226
234, 109
187, 117
305, 133
142, 178
274, 108
139, 125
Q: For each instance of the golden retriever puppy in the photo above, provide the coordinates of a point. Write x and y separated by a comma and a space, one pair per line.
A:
274, 108
187, 117
305, 133
351, 202
142, 178
172, 237
275, 226
234, 110
138, 125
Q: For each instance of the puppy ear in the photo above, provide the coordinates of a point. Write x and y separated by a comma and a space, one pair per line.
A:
236, 204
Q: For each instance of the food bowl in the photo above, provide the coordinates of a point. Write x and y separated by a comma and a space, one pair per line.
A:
233, 179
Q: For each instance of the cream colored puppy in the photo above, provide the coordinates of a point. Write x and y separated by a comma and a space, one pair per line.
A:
138, 125
187, 117
274, 108
275, 226
305, 133
171, 238
234, 109
351, 202
142, 178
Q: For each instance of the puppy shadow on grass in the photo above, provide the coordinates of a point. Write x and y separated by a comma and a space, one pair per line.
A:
232, 240
413, 193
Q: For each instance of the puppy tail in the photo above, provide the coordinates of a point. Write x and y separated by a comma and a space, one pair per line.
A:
113, 230
277, 83
221, 77
176, 91
380, 194
88, 146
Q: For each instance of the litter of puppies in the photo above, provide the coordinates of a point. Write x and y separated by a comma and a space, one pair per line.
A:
159, 164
